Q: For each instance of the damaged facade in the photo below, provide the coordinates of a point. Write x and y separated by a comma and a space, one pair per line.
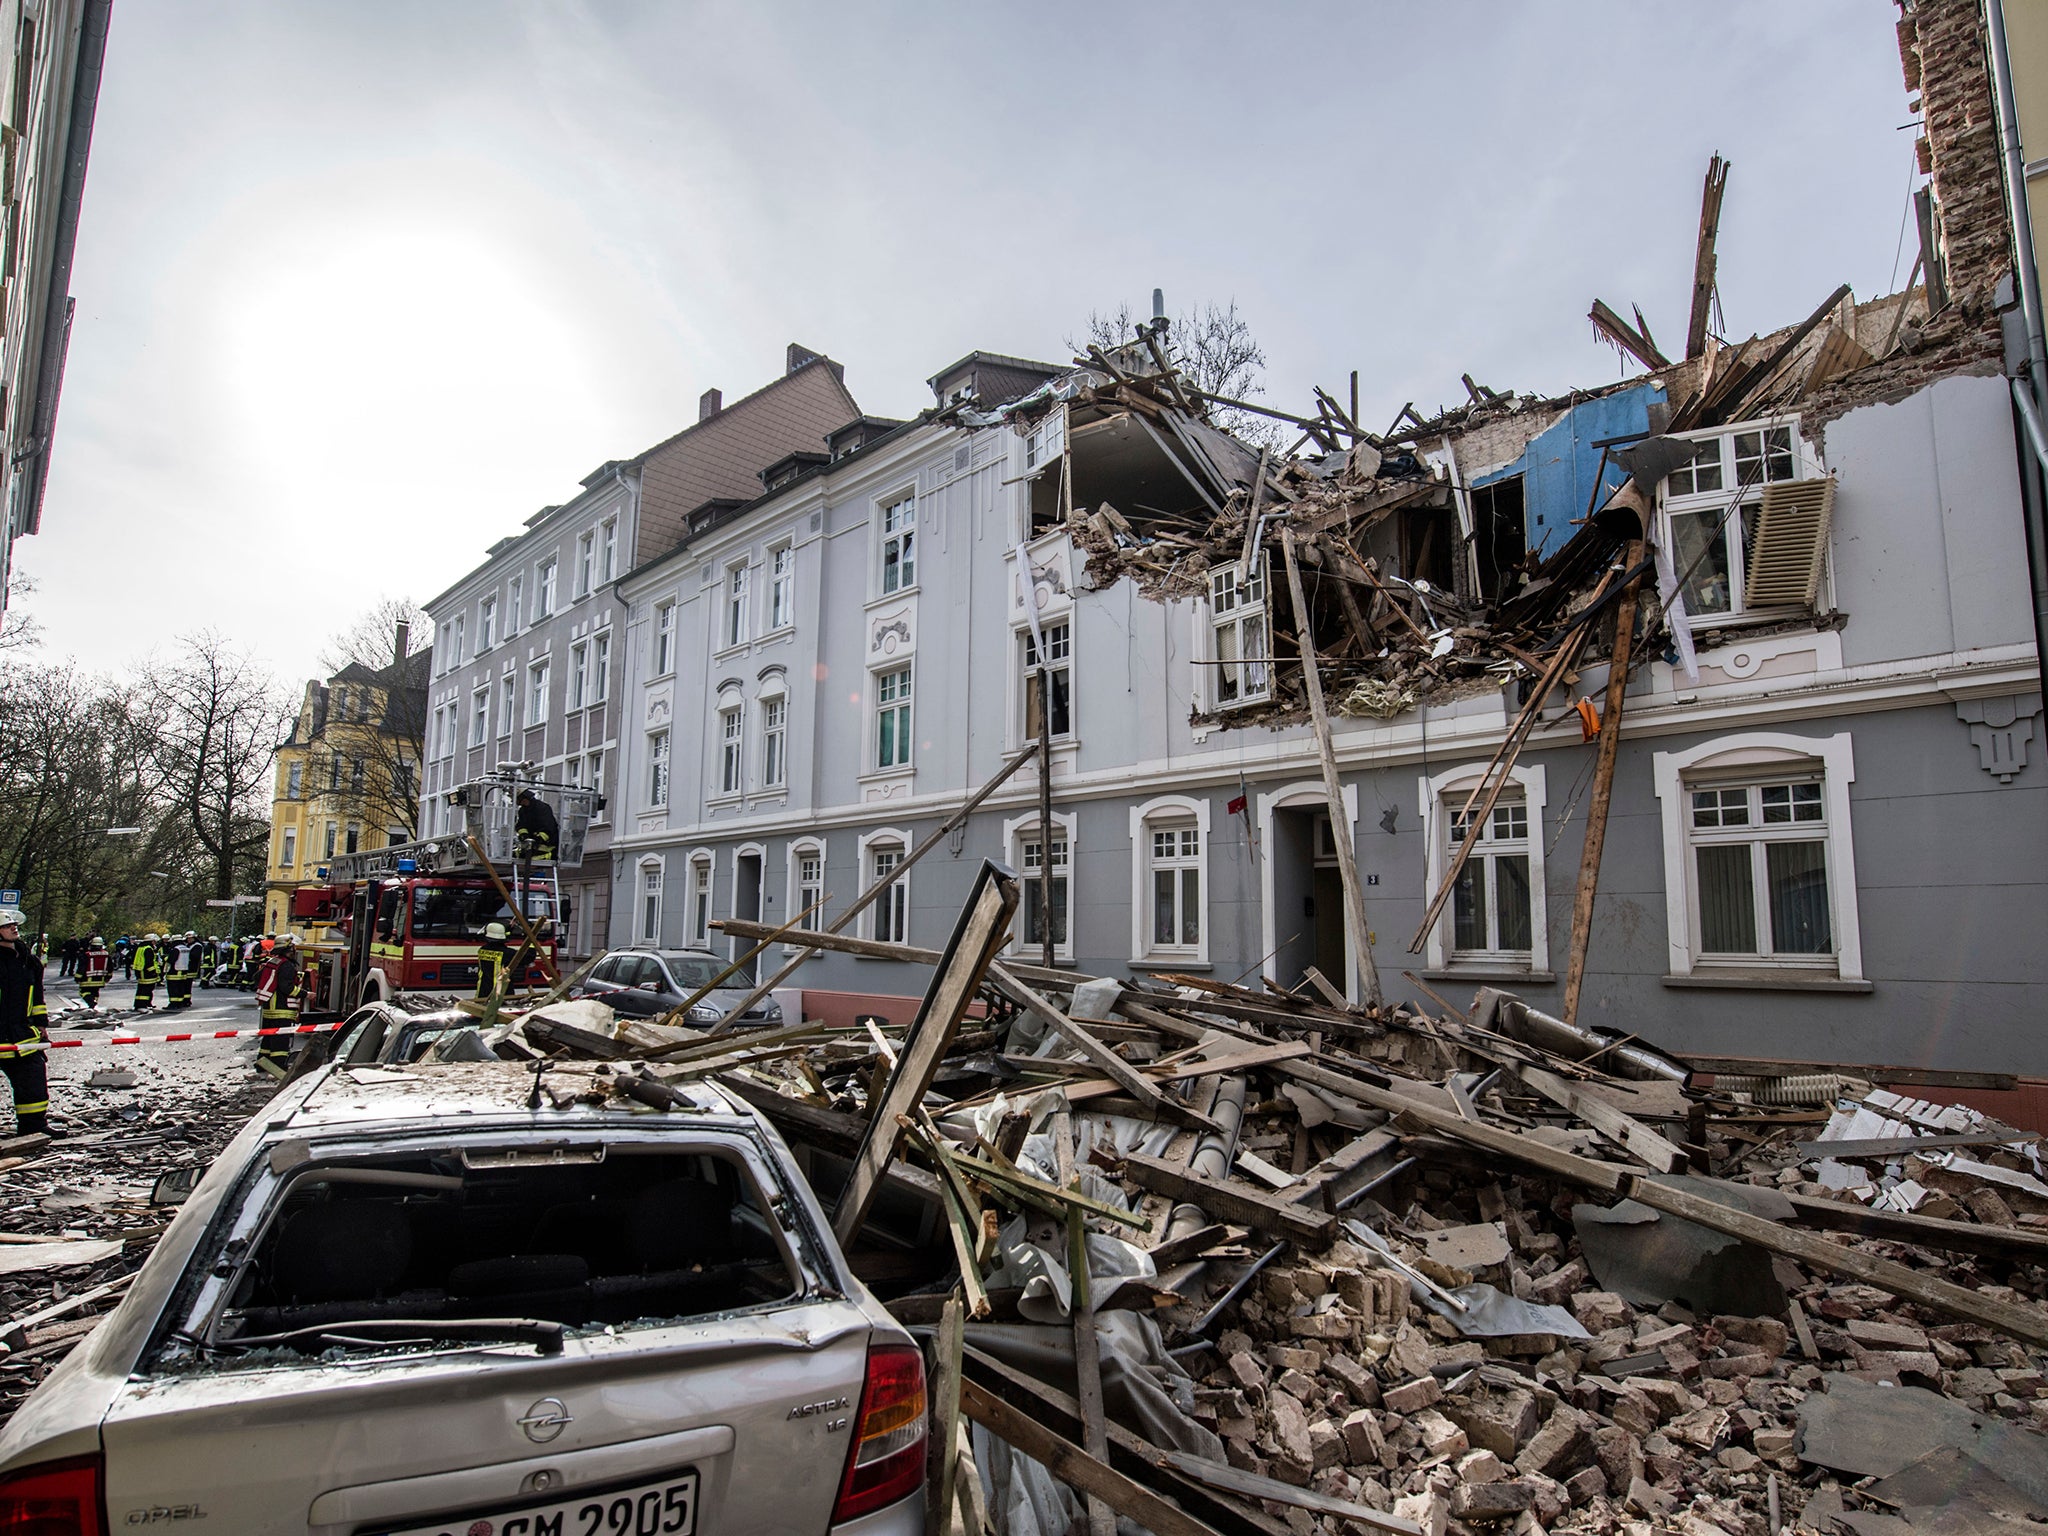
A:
1827, 790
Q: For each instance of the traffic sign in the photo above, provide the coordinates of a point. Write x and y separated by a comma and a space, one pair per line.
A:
10, 898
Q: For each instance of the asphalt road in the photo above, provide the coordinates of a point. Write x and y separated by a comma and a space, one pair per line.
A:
182, 1077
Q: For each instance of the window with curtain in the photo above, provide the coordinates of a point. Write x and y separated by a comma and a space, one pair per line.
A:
1490, 905
1760, 866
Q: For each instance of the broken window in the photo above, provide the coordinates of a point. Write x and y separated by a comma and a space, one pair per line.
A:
1031, 855
1714, 508
1054, 666
1237, 609
605, 1236
899, 543
1760, 863
1499, 535
1490, 903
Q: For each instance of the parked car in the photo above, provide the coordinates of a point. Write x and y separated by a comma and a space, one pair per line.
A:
397, 1029
648, 982
425, 1299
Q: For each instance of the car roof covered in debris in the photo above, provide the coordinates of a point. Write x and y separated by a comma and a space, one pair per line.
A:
353, 1096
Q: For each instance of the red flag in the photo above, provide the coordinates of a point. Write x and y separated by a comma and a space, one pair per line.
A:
1235, 807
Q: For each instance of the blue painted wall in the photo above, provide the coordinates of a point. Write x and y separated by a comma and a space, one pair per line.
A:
1560, 463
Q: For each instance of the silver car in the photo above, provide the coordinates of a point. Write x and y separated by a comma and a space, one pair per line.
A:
436, 1300
647, 983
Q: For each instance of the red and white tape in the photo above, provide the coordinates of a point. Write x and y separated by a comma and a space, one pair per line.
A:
213, 1034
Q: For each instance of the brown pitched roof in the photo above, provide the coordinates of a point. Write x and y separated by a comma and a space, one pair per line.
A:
724, 455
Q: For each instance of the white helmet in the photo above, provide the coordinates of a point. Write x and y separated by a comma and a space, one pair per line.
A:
149, 938
288, 940
12, 917
96, 939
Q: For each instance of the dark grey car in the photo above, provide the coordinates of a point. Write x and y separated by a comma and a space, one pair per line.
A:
646, 983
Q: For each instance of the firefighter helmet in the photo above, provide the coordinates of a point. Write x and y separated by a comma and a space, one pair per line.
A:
12, 917
495, 932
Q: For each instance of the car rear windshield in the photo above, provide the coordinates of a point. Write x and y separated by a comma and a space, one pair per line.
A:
609, 1236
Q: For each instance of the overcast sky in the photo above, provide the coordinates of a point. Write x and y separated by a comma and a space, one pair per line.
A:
361, 286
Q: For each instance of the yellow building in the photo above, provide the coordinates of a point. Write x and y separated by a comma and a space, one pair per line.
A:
348, 775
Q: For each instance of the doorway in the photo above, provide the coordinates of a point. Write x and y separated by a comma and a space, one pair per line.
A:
1308, 898
746, 901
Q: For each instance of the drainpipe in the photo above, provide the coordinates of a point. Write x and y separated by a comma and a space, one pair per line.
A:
2028, 396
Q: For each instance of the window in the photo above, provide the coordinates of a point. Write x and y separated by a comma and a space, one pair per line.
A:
455, 641
508, 703
353, 838
774, 739
512, 605
289, 855
579, 673
657, 769
586, 562
1759, 865
899, 543
332, 832
736, 605
731, 739
294, 777
600, 667
596, 782
1057, 667
537, 694
781, 587
1169, 880
892, 718
700, 901
486, 625
544, 590
480, 717
809, 886
609, 560
889, 915
1713, 506
650, 903
1491, 913
1237, 615
664, 638
334, 759
1029, 853
355, 773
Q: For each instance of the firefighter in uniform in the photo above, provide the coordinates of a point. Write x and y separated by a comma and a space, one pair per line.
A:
22, 1037
178, 978
95, 966
536, 830
149, 970
277, 996
490, 961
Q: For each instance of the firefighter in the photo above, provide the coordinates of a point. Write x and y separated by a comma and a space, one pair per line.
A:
22, 1038
490, 961
184, 963
535, 830
149, 970
277, 996
95, 966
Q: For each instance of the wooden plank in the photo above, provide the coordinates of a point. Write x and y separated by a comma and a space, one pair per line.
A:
1625, 1131
1900, 1146
1178, 1250
1341, 832
1220, 1474
1703, 261
1603, 774
875, 949
945, 1407
1340, 1172
1887, 1076
1925, 1231
829, 1130
1111, 1065
1234, 1200
1088, 1368
1074, 1466
982, 929
1626, 337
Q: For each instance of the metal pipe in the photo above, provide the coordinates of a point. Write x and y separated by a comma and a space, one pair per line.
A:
1580, 1042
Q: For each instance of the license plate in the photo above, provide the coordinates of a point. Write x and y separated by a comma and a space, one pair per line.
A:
666, 1507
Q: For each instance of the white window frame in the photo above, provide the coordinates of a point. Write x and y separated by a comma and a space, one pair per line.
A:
600, 666
1715, 503
800, 890
1226, 609
1017, 832
328, 841
888, 905
732, 747
1059, 655
609, 565
1167, 810
904, 707
480, 716
774, 739
701, 893
508, 703
579, 675
781, 567
288, 855
648, 925
515, 593
659, 769
733, 617
454, 649
664, 638
537, 681
596, 782
586, 562
295, 781
896, 542
1439, 796
1751, 755
544, 587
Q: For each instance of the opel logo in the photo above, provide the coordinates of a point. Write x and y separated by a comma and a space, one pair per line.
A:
545, 1420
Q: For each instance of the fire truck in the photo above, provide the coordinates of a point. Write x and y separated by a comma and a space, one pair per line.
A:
410, 917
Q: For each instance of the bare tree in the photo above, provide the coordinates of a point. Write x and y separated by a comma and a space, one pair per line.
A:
218, 718
19, 632
1214, 349
376, 723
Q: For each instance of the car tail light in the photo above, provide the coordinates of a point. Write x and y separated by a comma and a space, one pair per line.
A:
58, 1498
886, 1461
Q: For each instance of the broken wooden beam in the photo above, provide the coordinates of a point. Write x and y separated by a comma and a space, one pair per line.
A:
1704, 260
1625, 336
1235, 1201
1625, 1131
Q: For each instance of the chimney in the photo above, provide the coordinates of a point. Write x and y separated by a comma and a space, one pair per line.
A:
797, 356
399, 643
709, 404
